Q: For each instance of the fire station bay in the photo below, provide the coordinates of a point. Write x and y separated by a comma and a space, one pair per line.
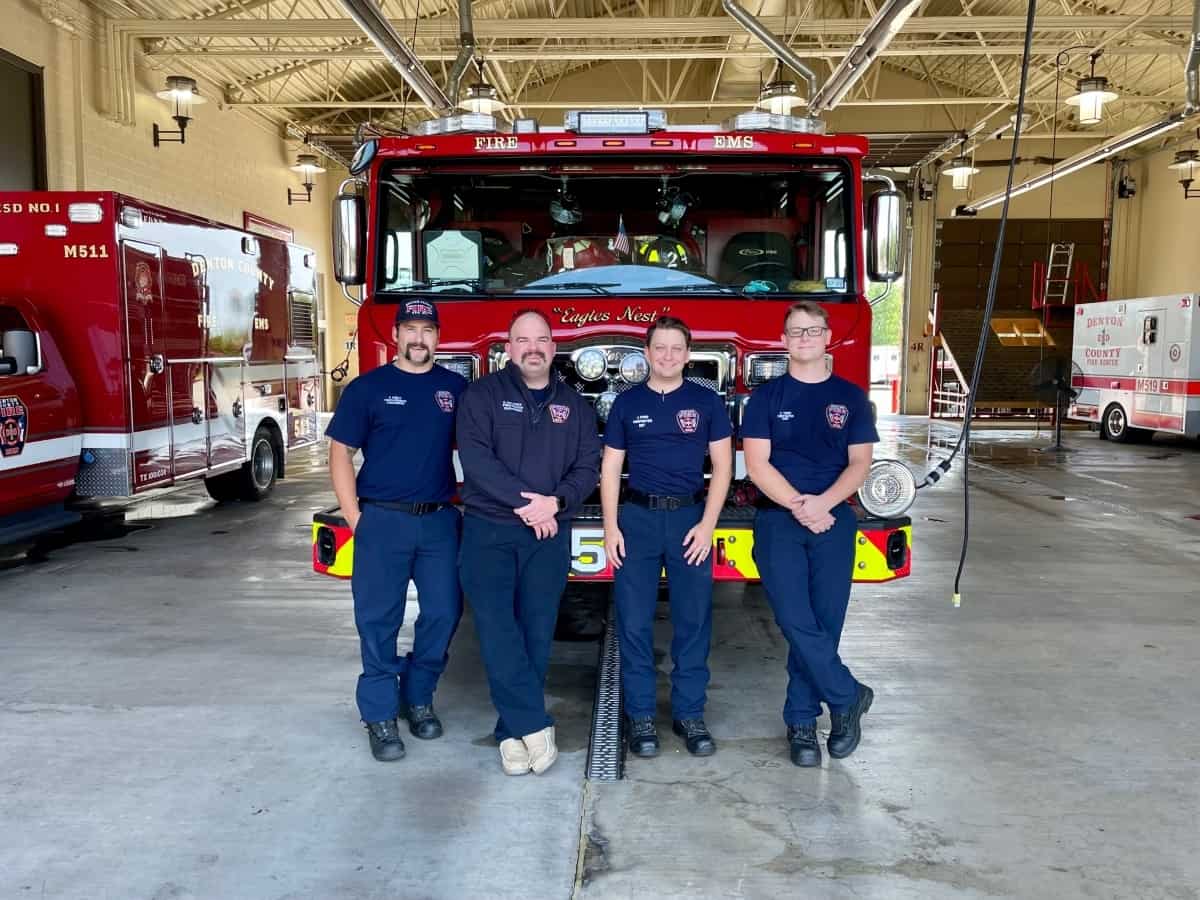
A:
547, 448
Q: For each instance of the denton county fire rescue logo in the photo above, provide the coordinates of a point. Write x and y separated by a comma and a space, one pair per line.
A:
688, 419
558, 413
445, 400
836, 415
14, 418
143, 283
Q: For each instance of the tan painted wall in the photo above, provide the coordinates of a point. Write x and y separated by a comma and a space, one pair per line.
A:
230, 163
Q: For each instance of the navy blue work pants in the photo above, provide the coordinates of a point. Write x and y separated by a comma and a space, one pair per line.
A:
514, 583
654, 541
390, 548
807, 578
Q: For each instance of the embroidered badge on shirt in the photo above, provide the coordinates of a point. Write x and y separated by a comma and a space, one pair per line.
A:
688, 419
512, 406
785, 415
836, 415
394, 400
445, 400
558, 413
642, 421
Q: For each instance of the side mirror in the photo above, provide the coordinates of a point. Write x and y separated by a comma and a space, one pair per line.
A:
8, 365
885, 245
349, 248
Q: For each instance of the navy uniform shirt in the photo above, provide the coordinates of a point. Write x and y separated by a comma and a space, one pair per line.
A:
404, 425
666, 436
810, 427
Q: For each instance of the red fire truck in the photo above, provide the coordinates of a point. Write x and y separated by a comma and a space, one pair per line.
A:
142, 346
604, 224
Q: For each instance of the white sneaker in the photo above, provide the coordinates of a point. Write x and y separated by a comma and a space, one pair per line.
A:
514, 757
542, 751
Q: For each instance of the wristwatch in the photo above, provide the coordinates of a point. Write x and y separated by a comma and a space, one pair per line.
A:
562, 504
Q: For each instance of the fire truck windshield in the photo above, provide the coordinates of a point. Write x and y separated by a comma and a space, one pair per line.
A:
606, 229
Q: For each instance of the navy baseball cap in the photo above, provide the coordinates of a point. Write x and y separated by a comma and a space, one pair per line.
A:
418, 309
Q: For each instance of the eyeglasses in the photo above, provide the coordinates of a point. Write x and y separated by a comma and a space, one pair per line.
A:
810, 331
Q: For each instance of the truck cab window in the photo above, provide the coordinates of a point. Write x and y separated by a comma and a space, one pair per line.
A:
400, 212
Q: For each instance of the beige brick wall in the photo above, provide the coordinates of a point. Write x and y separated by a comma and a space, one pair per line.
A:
231, 163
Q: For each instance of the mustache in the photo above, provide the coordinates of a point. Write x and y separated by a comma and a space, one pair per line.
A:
534, 353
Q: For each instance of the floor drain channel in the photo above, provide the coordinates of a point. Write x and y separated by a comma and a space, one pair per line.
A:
606, 750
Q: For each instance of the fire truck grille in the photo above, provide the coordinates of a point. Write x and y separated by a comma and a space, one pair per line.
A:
713, 369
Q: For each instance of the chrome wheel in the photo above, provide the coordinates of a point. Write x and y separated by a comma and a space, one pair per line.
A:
262, 464
1114, 422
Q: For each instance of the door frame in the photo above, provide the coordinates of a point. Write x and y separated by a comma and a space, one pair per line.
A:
38, 79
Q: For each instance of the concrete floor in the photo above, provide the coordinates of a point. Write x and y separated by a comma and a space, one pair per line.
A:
176, 718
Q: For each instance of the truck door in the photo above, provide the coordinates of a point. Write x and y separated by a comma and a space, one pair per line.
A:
1150, 342
188, 317
142, 277
226, 430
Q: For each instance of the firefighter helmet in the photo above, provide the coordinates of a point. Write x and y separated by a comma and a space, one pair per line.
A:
564, 254
664, 252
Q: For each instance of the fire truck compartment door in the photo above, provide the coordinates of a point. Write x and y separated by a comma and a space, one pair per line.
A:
1151, 338
226, 416
142, 277
189, 416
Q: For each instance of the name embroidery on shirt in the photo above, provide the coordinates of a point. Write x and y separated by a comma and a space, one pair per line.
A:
688, 419
559, 413
394, 400
785, 415
445, 401
512, 406
836, 415
642, 421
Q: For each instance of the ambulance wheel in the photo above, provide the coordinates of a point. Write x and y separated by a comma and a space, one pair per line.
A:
1114, 426
225, 488
260, 471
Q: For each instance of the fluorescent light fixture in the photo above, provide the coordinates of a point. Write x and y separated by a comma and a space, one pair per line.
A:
1130, 138
85, 212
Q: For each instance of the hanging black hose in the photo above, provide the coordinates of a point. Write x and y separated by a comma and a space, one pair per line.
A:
339, 372
964, 437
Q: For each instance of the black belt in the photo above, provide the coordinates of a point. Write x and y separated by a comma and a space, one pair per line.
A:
663, 501
416, 509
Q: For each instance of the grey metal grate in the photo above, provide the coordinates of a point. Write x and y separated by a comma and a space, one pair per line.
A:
606, 749
303, 325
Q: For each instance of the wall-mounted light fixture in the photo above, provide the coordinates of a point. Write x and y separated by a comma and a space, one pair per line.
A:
1186, 162
1091, 94
182, 94
308, 166
960, 169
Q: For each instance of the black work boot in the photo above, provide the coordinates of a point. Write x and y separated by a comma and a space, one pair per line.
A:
643, 736
385, 740
423, 722
846, 730
695, 734
802, 741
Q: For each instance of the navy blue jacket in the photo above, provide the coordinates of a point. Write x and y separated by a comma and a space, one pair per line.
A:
508, 443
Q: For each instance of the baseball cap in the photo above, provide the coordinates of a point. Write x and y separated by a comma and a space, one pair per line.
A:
418, 309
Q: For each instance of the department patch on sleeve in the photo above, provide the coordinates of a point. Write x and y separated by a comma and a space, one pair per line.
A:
688, 419
445, 400
559, 412
836, 415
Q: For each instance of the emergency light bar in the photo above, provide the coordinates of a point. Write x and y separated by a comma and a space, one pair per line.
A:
466, 122
617, 121
8, 249
761, 120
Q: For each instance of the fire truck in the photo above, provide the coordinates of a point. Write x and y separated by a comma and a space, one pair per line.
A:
140, 347
1136, 366
604, 224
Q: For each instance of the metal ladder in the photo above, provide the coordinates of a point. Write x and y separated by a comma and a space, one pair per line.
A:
1058, 274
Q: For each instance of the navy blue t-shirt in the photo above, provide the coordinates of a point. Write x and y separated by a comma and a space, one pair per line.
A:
810, 426
666, 436
404, 425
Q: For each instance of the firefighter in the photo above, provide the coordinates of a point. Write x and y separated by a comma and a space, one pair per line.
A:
665, 426
807, 437
402, 418
530, 457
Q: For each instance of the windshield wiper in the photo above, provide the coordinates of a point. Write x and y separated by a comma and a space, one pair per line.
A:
475, 284
691, 289
595, 287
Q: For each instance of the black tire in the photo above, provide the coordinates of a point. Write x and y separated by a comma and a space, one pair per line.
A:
1114, 426
582, 612
259, 474
225, 488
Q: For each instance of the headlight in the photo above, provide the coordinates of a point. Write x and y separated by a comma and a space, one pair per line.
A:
762, 367
465, 364
591, 364
889, 490
634, 367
